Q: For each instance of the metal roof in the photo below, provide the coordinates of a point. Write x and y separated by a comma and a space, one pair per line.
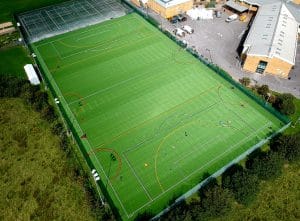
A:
170, 3
273, 33
236, 6
293, 8
31, 74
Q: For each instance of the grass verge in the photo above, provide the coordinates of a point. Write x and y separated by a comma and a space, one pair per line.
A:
12, 61
9, 7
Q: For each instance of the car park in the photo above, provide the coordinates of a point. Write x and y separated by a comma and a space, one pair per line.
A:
231, 18
174, 19
181, 18
188, 29
179, 32
218, 14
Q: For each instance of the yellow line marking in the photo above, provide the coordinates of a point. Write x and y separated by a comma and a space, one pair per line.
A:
160, 145
106, 51
157, 116
118, 158
102, 42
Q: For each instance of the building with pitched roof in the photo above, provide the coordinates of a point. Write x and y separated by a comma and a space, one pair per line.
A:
166, 8
271, 44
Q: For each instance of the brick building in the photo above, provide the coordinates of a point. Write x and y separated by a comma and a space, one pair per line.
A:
166, 8
271, 44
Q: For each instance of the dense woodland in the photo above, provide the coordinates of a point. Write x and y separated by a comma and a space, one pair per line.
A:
242, 186
43, 178
41, 175
50, 182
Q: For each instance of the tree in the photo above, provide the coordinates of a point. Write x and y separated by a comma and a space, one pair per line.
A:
57, 128
40, 100
48, 113
216, 201
266, 165
209, 184
272, 99
28, 93
241, 183
284, 103
144, 216
180, 212
10, 86
245, 81
287, 145
263, 90
21, 137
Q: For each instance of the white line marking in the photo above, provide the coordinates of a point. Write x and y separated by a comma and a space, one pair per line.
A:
116, 85
195, 171
136, 176
75, 121
51, 19
56, 51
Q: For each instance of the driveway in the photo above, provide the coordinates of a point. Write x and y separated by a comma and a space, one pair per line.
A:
218, 41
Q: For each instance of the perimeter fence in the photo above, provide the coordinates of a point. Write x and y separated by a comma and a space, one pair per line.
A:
68, 16
67, 116
212, 66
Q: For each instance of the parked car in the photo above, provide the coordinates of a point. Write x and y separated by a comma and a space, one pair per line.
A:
179, 32
231, 18
187, 29
181, 18
218, 14
174, 19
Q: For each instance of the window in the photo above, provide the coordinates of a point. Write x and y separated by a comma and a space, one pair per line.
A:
261, 67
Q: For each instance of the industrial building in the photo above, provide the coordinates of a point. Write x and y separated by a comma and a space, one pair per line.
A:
271, 44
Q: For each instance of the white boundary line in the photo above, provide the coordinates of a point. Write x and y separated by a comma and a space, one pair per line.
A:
93, 34
212, 140
91, 28
139, 180
116, 85
246, 138
52, 19
56, 51
195, 171
75, 120
158, 196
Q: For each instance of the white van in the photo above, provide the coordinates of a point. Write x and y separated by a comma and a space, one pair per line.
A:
232, 18
179, 32
187, 29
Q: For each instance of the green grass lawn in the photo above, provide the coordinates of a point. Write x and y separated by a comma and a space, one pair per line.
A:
156, 119
9, 7
12, 61
37, 180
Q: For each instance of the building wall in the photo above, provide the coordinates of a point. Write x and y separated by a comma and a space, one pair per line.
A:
171, 11
251, 7
136, 2
296, 1
275, 66
167, 12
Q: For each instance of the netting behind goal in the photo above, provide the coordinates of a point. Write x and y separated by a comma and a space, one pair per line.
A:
68, 16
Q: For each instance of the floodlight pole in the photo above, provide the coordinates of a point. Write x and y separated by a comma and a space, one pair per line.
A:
209, 54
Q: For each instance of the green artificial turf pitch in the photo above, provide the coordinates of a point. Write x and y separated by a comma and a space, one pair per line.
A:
156, 119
